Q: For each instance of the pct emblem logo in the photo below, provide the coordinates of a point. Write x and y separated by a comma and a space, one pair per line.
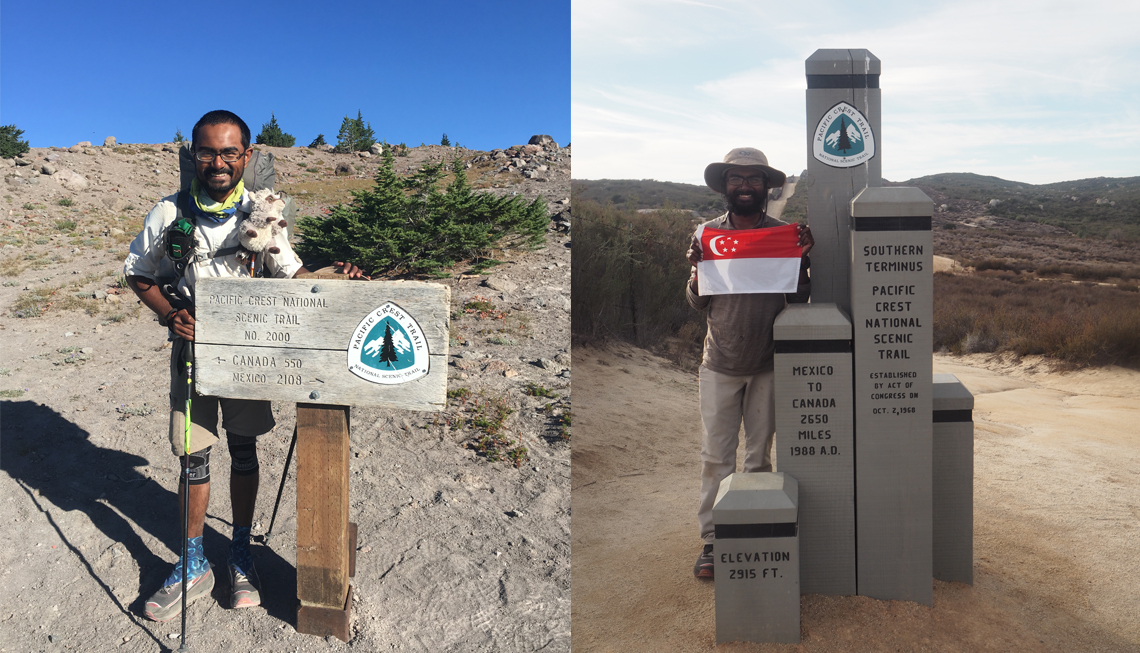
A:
843, 137
388, 347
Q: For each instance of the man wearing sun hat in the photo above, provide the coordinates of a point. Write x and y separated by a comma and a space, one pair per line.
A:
736, 373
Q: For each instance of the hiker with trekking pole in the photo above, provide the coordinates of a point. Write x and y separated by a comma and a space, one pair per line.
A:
187, 236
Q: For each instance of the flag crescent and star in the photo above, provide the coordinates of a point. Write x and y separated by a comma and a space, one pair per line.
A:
741, 261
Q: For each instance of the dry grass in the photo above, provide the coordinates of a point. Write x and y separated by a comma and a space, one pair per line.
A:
1079, 324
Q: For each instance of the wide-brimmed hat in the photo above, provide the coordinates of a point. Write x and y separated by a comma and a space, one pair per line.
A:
742, 156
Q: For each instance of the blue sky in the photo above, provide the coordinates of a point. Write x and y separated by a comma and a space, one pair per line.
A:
1032, 91
489, 74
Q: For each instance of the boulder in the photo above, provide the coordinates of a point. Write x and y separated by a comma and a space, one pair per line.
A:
47, 169
71, 180
377, 149
21, 161
541, 139
110, 142
52, 158
531, 149
343, 169
83, 144
500, 284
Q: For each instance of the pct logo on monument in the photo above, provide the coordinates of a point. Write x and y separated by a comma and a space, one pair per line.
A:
843, 137
388, 347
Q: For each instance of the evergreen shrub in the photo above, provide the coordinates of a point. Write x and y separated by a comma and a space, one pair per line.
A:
10, 144
408, 225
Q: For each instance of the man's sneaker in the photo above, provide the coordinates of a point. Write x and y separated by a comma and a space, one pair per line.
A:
166, 603
704, 566
244, 588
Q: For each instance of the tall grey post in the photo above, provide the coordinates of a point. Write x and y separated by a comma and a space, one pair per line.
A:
756, 559
892, 311
843, 120
953, 501
814, 439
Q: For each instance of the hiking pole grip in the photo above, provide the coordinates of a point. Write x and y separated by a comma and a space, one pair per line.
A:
184, 647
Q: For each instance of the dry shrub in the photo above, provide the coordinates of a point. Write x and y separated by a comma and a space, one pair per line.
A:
629, 273
1078, 324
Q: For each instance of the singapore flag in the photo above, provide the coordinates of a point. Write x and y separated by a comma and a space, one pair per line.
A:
739, 261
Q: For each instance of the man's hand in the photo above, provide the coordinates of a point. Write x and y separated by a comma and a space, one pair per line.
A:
183, 325
351, 270
807, 241
694, 254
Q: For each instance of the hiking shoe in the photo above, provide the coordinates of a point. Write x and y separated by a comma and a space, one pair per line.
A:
244, 588
166, 603
704, 566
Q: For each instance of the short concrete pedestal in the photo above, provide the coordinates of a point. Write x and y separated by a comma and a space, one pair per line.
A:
814, 431
953, 479
757, 561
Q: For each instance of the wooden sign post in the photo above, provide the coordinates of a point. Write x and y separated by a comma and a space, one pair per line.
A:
325, 343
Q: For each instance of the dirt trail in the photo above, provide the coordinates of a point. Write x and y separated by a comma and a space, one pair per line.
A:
1056, 519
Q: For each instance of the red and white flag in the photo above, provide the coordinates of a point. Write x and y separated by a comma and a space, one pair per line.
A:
739, 261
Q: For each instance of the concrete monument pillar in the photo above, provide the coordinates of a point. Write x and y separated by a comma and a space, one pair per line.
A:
756, 559
814, 439
843, 120
953, 489
892, 314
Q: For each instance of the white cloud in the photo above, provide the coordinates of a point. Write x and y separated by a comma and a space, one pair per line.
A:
1024, 90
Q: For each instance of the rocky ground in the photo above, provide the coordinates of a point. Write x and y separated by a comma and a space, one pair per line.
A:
464, 530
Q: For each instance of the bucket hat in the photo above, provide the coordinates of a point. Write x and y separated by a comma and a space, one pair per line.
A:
742, 156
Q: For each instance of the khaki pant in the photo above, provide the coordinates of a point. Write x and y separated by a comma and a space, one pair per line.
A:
239, 416
726, 402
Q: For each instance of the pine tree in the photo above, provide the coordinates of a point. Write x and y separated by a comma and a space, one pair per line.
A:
355, 135
272, 135
387, 350
10, 144
844, 143
444, 141
319, 140
178, 137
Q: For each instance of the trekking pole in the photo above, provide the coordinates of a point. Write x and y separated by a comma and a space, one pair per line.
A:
264, 539
183, 648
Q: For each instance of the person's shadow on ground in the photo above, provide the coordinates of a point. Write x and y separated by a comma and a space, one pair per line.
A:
50, 456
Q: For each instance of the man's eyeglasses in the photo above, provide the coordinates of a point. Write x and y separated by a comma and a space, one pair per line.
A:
207, 156
758, 181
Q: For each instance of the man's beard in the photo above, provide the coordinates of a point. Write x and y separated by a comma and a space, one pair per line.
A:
219, 185
754, 206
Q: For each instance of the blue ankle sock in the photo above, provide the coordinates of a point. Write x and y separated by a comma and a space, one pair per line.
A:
240, 554
198, 563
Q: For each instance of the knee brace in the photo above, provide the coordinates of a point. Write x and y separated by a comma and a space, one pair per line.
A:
199, 467
243, 454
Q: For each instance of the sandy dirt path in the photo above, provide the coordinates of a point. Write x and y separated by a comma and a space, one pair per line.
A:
1056, 519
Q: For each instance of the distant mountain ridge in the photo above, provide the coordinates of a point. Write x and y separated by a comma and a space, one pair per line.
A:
1095, 207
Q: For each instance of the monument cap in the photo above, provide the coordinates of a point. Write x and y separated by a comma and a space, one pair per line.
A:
742, 157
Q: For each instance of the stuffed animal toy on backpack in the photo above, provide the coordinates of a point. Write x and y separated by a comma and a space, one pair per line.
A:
260, 230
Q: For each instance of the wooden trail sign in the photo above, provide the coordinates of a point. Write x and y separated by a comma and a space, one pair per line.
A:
325, 343
339, 342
